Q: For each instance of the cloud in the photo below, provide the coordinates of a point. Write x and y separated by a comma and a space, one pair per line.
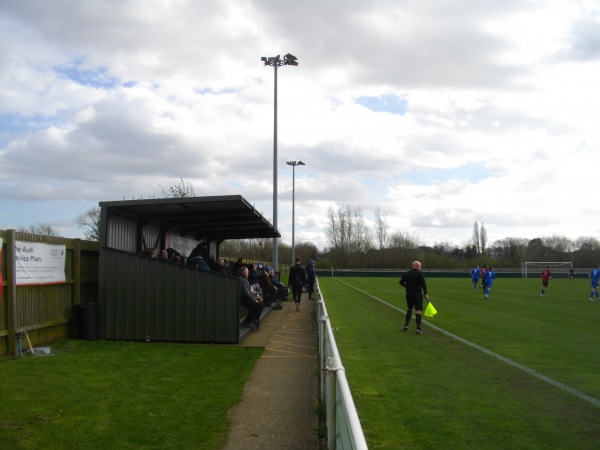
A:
441, 114
585, 40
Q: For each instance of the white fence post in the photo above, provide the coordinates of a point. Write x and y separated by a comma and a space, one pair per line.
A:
330, 375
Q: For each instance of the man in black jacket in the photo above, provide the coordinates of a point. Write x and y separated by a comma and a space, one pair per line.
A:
416, 288
297, 280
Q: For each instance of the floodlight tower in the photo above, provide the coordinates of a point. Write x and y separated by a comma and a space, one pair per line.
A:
275, 62
294, 164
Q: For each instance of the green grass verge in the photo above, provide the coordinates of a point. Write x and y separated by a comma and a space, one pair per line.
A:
107, 394
433, 391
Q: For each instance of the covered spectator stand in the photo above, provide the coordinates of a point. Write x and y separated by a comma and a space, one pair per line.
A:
142, 298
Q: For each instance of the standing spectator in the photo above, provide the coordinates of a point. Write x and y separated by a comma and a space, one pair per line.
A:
490, 276
237, 266
312, 277
213, 264
197, 257
475, 276
416, 289
297, 280
594, 277
200, 250
249, 301
252, 275
546, 277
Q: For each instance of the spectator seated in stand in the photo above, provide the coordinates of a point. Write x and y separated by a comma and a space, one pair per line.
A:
256, 290
174, 256
252, 274
227, 267
269, 290
282, 290
198, 263
149, 253
218, 266
250, 301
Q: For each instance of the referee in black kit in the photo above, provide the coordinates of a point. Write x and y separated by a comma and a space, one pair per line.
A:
416, 288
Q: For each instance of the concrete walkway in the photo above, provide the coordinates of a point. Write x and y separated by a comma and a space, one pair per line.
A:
278, 410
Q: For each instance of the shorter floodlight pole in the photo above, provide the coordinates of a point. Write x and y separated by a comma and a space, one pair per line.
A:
294, 164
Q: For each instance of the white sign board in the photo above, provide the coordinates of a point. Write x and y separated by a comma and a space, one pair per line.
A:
38, 263
182, 244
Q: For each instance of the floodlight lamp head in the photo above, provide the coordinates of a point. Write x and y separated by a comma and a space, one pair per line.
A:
300, 163
290, 60
271, 60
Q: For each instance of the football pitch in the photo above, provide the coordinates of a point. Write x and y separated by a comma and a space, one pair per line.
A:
517, 371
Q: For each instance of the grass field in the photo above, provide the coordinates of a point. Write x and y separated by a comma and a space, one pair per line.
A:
518, 371
122, 395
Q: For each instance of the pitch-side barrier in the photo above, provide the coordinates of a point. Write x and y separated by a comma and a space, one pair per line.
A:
344, 431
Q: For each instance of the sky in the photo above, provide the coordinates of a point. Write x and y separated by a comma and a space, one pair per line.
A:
439, 114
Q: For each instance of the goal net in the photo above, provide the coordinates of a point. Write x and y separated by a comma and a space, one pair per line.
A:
534, 269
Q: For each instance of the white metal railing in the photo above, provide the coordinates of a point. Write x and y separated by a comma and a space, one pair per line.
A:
344, 430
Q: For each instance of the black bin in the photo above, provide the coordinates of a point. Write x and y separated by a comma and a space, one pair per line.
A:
86, 321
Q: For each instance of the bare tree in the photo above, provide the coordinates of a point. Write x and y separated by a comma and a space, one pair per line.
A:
90, 220
348, 235
475, 238
404, 241
42, 229
360, 234
182, 190
253, 249
588, 251
483, 239
338, 233
511, 249
559, 243
334, 232
307, 251
587, 243
381, 228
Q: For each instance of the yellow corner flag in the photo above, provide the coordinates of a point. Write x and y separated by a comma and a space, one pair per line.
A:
430, 311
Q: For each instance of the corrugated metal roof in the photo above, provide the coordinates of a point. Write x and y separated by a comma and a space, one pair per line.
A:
216, 217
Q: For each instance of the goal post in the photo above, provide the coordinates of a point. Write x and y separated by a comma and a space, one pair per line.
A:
534, 268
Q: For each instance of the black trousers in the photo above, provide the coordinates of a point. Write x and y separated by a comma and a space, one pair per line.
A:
296, 293
254, 309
